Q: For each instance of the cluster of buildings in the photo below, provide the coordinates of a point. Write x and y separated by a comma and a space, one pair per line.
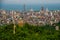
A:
9, 17
42, 17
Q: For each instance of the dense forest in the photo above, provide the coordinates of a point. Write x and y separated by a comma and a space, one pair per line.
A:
29, 32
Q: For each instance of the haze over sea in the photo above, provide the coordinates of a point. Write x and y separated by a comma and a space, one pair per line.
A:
34, 4
34, 7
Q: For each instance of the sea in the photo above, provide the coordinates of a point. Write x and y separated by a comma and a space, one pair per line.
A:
36, 7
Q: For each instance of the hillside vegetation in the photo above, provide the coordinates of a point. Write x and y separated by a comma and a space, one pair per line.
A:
29, 32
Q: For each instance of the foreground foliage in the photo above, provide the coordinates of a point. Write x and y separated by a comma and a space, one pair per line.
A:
29, 32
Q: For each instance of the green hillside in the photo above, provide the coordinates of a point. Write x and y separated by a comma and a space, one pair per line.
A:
29, 32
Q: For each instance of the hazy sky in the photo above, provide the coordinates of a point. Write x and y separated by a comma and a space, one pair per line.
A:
30, 1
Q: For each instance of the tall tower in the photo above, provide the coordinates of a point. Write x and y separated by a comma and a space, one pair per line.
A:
42, 8
42, 5
24, 7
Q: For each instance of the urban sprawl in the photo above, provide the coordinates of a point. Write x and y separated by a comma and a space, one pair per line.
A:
42, 17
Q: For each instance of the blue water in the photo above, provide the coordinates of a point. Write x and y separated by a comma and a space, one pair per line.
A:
34, 7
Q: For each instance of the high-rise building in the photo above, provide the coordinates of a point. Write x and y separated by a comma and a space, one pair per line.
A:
24, 7
42, 10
